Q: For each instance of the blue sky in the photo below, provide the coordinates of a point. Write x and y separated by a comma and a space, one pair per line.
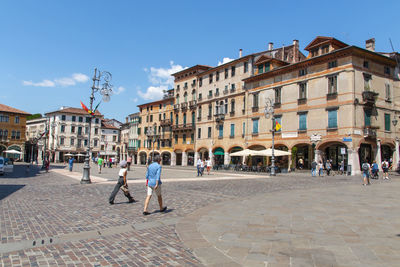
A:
49, 49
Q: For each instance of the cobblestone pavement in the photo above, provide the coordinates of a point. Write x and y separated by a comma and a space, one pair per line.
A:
76, 224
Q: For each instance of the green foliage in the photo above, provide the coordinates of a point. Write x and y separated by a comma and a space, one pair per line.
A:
34, 116
294, 153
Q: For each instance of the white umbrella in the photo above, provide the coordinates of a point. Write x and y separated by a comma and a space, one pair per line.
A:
268, 153
246, 152
80, 155
69, 154
13, 151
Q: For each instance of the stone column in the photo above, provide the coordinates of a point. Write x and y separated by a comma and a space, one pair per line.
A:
353, 160
289, 159
317, 155
196, 157
227, 158
184, 159
210, 154
396, 157
378, 157
173, 159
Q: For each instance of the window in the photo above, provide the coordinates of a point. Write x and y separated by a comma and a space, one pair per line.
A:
303, 121
209, 110
16, 119
96, 130
302, 90
184, 138
332, 64
199, 114
233, 87
102, 147
199, 133
151, 107
233, 106
367, 79
63, 117
97, 120
85, 142
62, 128
332, 118
365, 64
226, 73
79, 130
332, 84
61, 140
217, 76
200, 81
113, 148
386, 70
151, 118
210, 93
13, 135
200, 96
72, 129
87, 119
209, 132
217, 91
192, 138
267, 66
314, 52
233, 70
255, 126
185, 86
176, 139
325, 49
73, 118
95, 143
232, 130
255, 100
278, 92
194, 82
260, 68
210, 78
220, 131
302, 72
80, 119
367, 117
5, 134
4, 118
244, 129
278, 119
246, 67
184, 118
18, 136
387, 122
387, 92
159, 116
176, 119
72, 142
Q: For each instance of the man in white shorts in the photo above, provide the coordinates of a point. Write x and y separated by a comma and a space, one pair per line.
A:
153, 182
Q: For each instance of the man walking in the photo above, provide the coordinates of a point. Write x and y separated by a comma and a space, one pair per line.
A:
198, 164
313, 168
328, 167
71, 163
100, 163
366, 169
121, 184
153, 182
385, 169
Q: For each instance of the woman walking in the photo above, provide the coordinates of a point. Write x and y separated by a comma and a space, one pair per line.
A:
121, 184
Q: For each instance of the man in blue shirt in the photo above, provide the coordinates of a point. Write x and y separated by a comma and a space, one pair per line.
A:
71, 163
153, 182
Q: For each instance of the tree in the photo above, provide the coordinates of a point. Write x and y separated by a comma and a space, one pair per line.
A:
34, 116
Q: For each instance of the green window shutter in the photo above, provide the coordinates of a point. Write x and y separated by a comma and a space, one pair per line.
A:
367, 118
255, 126
232, 129
332, 119
303, 122
267, 66
260, 69
387, 122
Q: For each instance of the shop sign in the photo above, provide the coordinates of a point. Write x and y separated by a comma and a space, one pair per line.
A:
347, 139
289, 135
315, 138
358, 132
342, 150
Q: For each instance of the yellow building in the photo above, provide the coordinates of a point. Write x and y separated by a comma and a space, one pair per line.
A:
12, 130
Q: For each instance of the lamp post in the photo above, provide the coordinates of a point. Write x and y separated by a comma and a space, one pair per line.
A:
396, 142
269, 113
105, 91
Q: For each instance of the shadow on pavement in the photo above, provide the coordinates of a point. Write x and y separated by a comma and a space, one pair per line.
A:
22, 170
8, 189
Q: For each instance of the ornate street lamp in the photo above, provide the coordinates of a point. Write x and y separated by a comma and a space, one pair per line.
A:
269, 113
105, 91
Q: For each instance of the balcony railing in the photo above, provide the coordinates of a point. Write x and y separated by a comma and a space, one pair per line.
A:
209, 96
369, 97
184, 106
219, 117
183, 127
165, 122
226, 91
176, 107
369, 132
193, 104
216, 94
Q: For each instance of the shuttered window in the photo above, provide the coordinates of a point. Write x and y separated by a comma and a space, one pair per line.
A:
332, 118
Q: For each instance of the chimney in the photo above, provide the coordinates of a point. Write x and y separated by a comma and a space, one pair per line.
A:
240, 52
370, 44
270, 46
295, 51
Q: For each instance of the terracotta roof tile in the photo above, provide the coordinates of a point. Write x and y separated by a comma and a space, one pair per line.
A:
5, 108
74, 111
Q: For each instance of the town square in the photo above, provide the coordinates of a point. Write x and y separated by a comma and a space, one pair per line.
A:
220, 133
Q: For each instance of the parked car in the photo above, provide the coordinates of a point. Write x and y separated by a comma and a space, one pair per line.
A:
1, 165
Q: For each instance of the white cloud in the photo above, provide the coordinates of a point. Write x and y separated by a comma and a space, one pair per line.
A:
225, 60
160, 79
134, 99
119, 90
44, 83
64, 81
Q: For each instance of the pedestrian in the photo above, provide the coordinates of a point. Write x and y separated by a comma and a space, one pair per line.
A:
198, 164
47, 164
314, 168
71, 163
301, 162
321, 168
121, 184
202, 164
129, 161
208, 164
110, 163
328, 167
100, 163
153, 183
375, 170
341, 168
385, 169
366, 168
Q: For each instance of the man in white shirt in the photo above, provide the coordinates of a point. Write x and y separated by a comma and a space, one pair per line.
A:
199, 162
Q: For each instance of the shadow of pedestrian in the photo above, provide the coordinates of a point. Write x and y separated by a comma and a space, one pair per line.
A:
8, 189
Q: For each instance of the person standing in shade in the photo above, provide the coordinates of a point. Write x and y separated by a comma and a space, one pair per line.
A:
153, 182
314, 168
121, 184
71, 163
198, 164
100, 163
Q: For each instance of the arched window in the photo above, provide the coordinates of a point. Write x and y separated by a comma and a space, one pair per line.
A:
177, 98
185, 97
194, 95
184, 118
233, 106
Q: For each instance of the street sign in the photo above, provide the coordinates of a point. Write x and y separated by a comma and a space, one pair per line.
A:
342, 150
347, 139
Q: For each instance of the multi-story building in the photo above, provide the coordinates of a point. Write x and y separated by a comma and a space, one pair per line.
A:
134, 121
35, 139
68, 133
123, 144
155, 131
109, 141
12, 130
341, 103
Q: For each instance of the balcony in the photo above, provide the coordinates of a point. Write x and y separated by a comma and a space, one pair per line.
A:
165, 122
369, 97
176, 107
166, 136
331, 96
209, 96
183, 127
233, 89
193, 104
219, 117
369, 132
184, 106
132, 149
232, 113
301, 101
193, 84
254, 109
185, 87
216, 94
209, 117
198, 118
226, 91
